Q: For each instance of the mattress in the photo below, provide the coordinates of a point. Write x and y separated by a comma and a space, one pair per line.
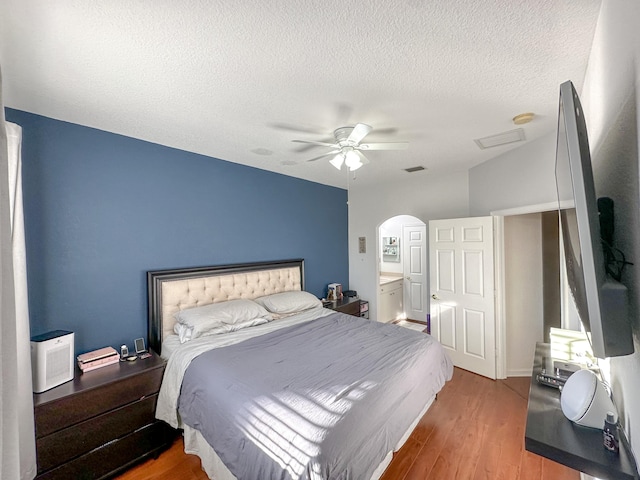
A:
317, 395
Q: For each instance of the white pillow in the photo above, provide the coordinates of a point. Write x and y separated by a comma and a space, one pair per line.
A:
186, 333
289, 302
201, 320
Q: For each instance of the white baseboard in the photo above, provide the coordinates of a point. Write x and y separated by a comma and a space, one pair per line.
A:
522, 372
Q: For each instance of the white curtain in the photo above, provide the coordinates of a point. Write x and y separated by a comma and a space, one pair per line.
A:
17, 437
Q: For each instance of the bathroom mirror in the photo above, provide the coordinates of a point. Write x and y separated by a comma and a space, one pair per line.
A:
390, 249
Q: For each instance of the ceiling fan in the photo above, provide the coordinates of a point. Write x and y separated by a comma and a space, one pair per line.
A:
347, 149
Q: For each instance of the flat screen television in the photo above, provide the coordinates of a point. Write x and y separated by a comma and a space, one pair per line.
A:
601, 301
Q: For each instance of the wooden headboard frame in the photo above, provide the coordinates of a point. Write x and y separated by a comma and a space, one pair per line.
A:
170, 291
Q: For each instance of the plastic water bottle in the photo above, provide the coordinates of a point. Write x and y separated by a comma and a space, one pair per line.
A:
610, 433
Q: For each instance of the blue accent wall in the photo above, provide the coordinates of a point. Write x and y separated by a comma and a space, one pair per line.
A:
103, 209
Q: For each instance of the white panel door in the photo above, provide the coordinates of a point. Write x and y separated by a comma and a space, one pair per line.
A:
415, 271
462, 291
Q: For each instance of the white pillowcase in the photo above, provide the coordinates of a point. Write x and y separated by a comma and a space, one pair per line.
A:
186, 332
287, 303
219, 318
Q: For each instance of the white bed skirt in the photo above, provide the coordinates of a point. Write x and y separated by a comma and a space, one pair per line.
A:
195, 444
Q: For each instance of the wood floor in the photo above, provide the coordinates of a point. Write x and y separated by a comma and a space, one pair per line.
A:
475, 430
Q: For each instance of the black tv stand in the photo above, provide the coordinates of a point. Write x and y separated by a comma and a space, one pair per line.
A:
550, 434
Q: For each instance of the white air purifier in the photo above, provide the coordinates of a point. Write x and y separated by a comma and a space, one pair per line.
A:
585, 401
52, 359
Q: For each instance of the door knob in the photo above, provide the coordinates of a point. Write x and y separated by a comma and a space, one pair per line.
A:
408, 278
435, 297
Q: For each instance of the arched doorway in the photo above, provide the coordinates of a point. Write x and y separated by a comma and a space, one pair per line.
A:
402, 270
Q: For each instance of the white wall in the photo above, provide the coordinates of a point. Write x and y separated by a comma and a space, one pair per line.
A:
421, 196
520, 177
524, 302
610, 99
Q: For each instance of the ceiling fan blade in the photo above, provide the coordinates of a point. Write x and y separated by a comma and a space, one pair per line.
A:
324, 144
360, 131
386, 131
323, 155
384, 146
343, 113
298, 128
305, 148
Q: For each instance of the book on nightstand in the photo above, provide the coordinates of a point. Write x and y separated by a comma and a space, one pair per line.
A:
98, 358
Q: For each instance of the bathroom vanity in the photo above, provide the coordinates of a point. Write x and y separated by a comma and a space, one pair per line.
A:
391, 305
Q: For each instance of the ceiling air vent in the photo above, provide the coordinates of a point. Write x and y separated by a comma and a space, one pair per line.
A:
414, 169
504, 138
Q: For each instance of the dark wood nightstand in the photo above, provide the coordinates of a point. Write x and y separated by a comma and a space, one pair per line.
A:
101, 422
348, 305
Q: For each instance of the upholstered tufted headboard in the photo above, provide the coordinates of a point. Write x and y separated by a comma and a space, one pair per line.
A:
170, 291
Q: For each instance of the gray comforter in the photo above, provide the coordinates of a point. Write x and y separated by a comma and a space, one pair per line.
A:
325, 399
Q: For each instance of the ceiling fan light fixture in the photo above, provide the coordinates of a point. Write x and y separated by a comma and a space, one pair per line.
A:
337, 161
355, 166
352, 160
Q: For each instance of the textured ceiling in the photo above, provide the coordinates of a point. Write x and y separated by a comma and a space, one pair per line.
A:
237, 79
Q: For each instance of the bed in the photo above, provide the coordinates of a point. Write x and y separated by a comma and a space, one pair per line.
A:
282, 388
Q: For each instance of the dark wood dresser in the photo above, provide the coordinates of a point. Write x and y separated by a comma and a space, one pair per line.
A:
101, 422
